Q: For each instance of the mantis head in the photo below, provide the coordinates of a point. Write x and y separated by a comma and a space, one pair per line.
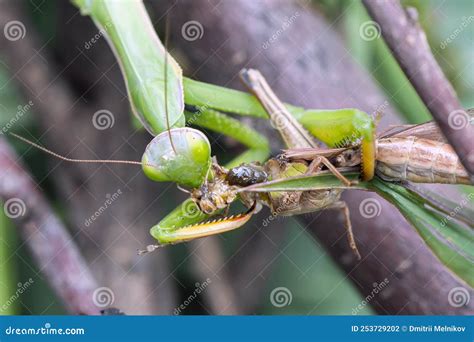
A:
180, 155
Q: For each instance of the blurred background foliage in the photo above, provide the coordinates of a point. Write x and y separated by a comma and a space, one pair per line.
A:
320, 287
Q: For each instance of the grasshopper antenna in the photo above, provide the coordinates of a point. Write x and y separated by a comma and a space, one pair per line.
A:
183, 189
73, 160
167, 30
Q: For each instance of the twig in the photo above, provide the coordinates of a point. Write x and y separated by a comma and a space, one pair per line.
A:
406, 39
53, 248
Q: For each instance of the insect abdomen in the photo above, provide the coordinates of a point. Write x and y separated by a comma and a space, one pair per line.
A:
419, 160
245, 175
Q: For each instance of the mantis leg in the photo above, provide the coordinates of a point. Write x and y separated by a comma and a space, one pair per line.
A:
292, 132
333, 127
171, 235
259, 149
341, 205
226, 100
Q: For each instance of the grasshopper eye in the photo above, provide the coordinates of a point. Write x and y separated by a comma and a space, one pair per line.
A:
196, 194
180, 155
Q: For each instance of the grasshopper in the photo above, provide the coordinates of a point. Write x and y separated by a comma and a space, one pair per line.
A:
416, 153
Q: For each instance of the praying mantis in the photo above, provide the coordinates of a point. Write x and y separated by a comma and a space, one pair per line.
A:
164, 101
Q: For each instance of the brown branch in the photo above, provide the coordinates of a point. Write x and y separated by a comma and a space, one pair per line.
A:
52, 246
207, 259
406, 39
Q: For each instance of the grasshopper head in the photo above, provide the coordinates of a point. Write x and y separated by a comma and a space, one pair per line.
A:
214, 195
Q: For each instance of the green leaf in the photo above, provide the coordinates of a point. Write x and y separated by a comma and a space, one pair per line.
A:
306, 182
452, 243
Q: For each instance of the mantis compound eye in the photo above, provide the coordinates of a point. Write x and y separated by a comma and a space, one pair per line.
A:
180, 155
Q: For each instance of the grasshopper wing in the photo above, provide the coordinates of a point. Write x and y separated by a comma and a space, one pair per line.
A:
427, 130
311, 153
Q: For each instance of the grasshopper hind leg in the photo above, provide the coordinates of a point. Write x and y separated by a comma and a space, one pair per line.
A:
341, 205
314, 165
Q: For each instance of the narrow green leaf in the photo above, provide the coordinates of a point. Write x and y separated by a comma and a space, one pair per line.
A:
306, 182
452, 248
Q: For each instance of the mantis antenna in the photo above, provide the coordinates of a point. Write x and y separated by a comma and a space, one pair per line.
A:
167, 23
73, 160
